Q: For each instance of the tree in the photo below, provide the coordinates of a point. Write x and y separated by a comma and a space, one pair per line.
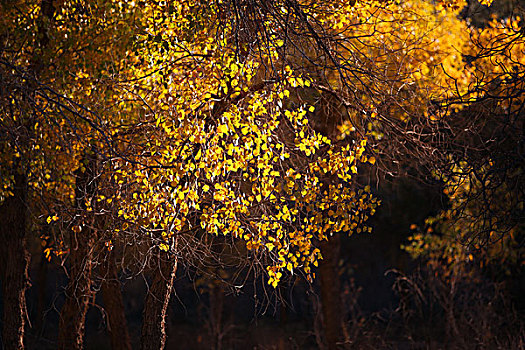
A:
230, 150
245, 120
483, 223
49, 124
17, 123
253, 192
477, 240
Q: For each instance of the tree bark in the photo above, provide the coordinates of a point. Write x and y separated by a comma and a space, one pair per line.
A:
114, 305
15, 257
331, 291
156, 304
15, 261
82, 240
78, 292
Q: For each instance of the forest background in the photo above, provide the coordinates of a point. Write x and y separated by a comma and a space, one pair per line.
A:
262, 174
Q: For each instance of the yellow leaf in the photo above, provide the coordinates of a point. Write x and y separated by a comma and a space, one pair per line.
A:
222, 129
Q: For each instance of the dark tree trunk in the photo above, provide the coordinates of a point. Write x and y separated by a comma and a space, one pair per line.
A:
114, 305
15, 261
330, 292
82, 240
78, 291
156, 304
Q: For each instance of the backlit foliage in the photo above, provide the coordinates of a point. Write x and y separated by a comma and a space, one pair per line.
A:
470, 234
205, 121
483, 226
228, 153
59, 65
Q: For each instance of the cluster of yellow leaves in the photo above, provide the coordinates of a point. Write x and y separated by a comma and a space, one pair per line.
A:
497, 69
75, 106
474, 230
217, 141
229, 155
413, 49
461, 238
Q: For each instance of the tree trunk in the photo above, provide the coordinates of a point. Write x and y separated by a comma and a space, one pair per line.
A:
156, 304
15, 261
330, 292
82, 240
114, 305
78, 292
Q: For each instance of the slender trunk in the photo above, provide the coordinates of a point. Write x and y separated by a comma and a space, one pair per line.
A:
156, 304
78, 292
114, 305
15, 261
82, 240
330, 292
